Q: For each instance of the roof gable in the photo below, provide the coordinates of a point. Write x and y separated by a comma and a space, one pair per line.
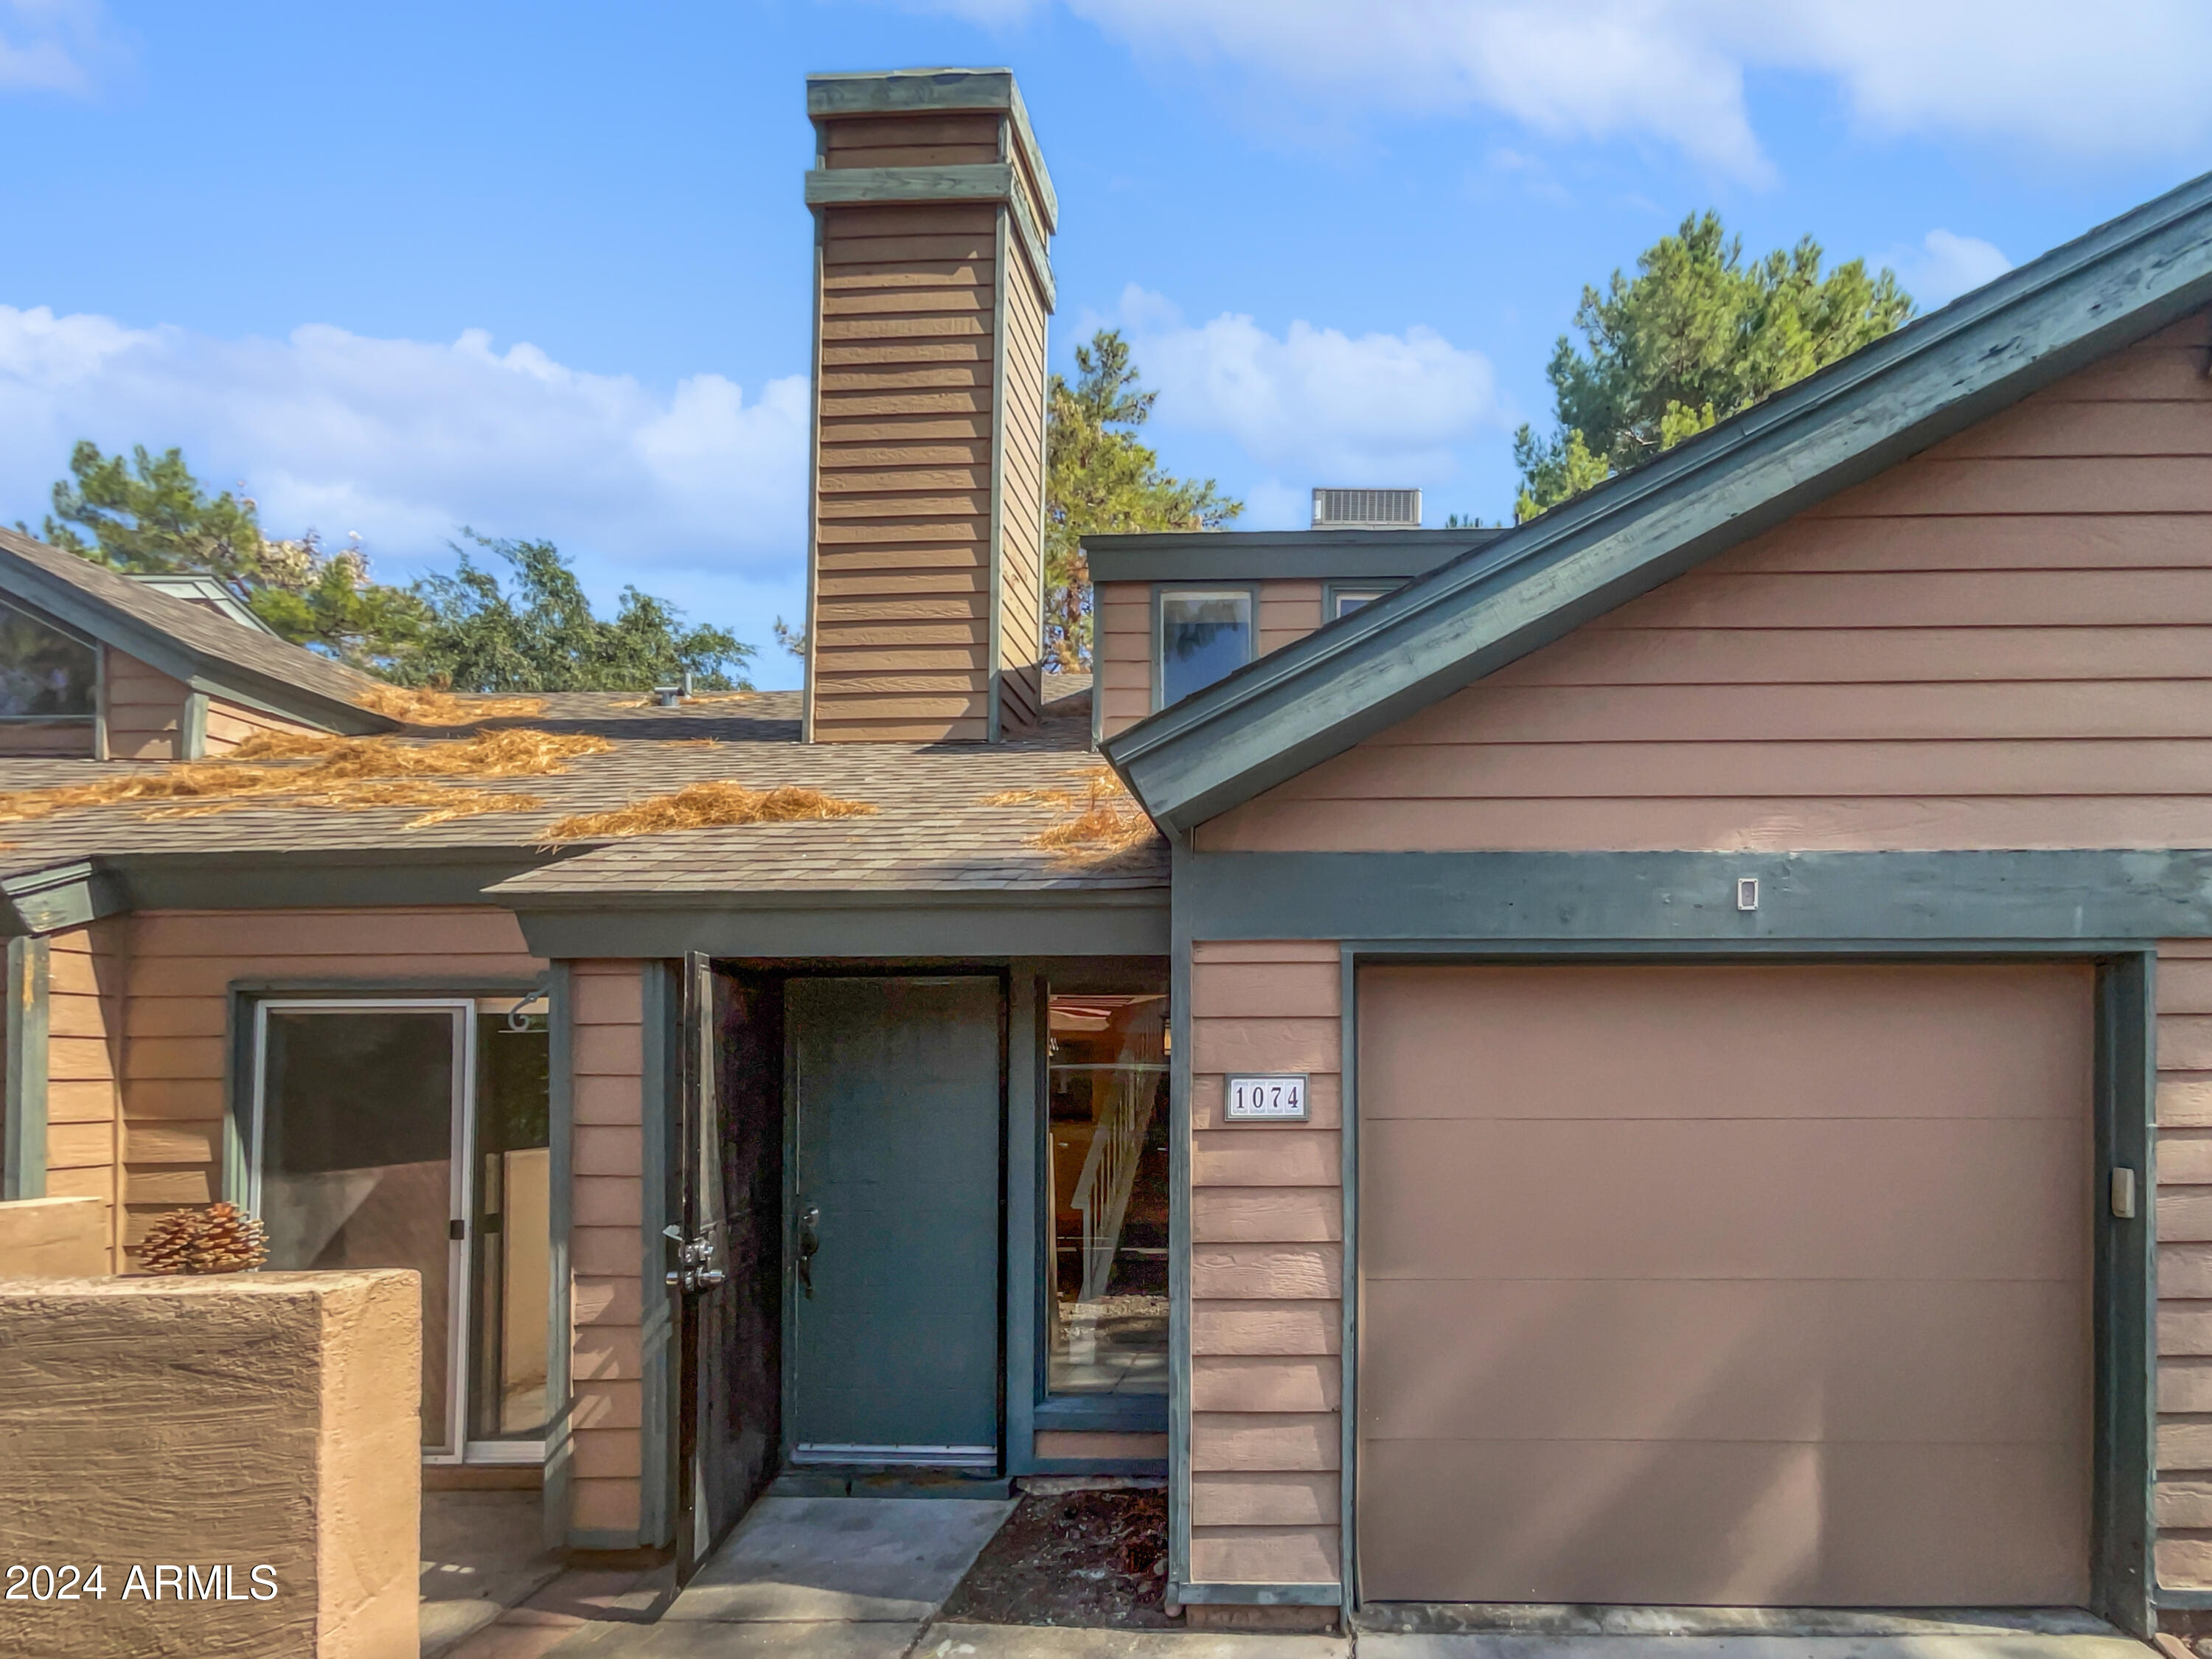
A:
189, 642
1938, 375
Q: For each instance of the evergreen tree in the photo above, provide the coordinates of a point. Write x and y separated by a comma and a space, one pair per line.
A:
1695, 337
1098, 478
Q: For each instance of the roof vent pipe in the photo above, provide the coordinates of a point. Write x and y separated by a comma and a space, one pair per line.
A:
1367, 509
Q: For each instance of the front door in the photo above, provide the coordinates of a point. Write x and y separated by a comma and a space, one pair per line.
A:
894, 1221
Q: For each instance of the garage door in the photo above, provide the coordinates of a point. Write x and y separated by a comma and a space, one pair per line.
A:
1725, 1285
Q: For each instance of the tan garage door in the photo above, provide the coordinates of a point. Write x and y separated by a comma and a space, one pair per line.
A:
1725, 1285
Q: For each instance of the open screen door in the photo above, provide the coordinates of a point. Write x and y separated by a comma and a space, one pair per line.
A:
710, 1502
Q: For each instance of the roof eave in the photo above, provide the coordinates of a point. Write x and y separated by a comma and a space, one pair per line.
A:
1316, 698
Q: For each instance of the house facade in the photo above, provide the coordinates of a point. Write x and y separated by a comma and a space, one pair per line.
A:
1660, 1056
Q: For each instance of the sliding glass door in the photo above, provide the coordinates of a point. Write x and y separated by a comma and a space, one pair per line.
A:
412, 1132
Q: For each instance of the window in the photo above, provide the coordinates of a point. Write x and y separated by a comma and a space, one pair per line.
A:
44, 673
1343, 601
412, 1132
1109, 1148
1203, 636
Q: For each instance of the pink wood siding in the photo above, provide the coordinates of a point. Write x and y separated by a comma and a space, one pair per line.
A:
84, 1044
608, 1013
230, 724
1122, 640
70, 739
2005, 641
1267, 1267
145, 709
2184, 1264
177, 968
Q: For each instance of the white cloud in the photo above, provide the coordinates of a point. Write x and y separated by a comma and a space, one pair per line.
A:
52, 46
1948, 264
1383, 409
2071, 79
404, 441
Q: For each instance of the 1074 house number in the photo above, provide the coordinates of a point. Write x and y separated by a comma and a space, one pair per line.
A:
1266, 1099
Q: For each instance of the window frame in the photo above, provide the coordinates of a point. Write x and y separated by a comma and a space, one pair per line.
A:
1331, 593
97, 717
1155, 650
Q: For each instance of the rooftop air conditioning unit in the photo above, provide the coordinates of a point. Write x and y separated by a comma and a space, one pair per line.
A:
1367, 509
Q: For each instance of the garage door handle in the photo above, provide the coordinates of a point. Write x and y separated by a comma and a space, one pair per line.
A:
2124, 1194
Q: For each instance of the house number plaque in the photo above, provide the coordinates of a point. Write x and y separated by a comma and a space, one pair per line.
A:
1265, 1100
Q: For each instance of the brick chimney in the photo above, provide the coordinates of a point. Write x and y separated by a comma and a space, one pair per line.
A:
933, 213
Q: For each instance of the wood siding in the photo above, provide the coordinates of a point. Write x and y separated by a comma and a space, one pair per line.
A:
2005, 641
2184, 1209
1122, 640
65, 739
230, 724
604, 1249
913, 501
1267, 1270
145, 710
178, 967
84, 1048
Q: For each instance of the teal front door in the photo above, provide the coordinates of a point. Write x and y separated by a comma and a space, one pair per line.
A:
894, 1221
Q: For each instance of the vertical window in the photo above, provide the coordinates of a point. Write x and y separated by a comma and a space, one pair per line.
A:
412, 1132
511, 1236
1109, 1145
1203, 637
44, 673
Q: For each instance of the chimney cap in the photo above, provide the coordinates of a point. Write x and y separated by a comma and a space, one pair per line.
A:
1367, 509
914, 91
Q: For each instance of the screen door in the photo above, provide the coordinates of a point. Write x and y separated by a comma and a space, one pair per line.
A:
360, 1158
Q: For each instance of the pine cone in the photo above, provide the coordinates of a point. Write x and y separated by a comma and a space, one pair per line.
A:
220, 1239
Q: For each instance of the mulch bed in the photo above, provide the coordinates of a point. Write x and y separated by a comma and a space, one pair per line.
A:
1091, 1559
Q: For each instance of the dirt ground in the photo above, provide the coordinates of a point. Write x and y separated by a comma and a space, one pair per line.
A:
1091, 1560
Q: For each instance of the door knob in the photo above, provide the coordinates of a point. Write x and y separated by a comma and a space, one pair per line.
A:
810, 1240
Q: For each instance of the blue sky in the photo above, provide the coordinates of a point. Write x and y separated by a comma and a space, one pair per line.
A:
541, 269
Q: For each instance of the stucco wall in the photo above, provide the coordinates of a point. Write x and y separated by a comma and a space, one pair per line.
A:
2005, 641
1266, 1269
264, 1419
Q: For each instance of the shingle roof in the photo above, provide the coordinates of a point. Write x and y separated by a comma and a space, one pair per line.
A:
188, 640
932, 831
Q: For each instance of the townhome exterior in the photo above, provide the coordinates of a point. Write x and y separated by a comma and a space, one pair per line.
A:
1658, 1056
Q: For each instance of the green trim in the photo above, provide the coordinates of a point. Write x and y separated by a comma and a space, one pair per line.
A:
238, 1080
1851, 421
2123, 1464
659, 1389
1028, 1044
1326, 1594
23, 1105
191, 727
560, 1337
1331, 592
1502, 899
60, 897
1113, 922
899, 91
1033, 248
1155, 648
309, 879
976, 181
1179, 1247
1102, 1413
1350, 556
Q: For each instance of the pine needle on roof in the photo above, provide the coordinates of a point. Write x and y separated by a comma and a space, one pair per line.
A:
319, 769
1101, 824
717, 805
418, 707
